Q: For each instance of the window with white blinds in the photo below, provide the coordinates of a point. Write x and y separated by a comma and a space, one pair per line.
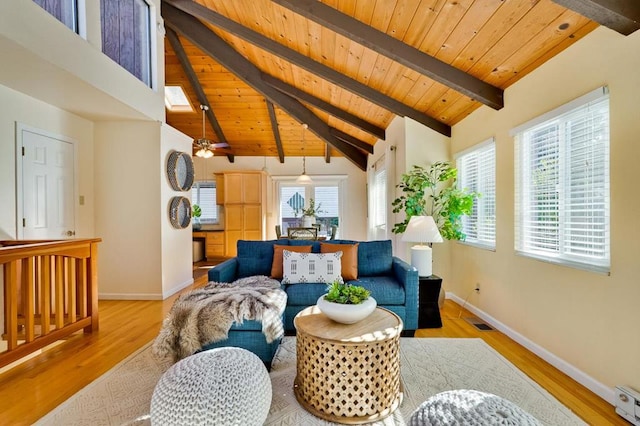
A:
477, 173
204, 195
562, 185
294, 197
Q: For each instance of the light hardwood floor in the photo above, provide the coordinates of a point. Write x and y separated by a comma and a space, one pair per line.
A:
32, 389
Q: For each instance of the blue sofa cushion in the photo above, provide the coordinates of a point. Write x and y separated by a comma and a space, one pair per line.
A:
315, 245
374, 257
255, 257
304, 294
385, 289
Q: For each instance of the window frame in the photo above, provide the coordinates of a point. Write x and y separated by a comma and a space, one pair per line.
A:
148, 78
195, 199
79, 16
480, 203
318, 181
570, 236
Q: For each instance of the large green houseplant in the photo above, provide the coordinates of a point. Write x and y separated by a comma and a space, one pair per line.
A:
425, 193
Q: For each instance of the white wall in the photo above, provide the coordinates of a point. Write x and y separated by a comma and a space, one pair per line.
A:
43, 58
127, 199
353, 225
17, 107
585, 319
177, 256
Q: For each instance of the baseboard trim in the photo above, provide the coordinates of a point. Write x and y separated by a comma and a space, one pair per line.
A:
177, 288
129, 296
576, 374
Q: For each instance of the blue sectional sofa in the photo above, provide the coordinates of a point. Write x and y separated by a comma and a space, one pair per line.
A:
392, 282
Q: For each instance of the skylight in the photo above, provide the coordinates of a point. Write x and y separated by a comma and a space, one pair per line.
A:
176, 100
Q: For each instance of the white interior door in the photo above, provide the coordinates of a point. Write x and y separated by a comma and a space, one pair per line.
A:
48, 183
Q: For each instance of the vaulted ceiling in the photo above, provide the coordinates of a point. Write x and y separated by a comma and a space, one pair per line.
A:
347, 67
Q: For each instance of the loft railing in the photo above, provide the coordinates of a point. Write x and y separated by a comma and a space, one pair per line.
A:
50, 292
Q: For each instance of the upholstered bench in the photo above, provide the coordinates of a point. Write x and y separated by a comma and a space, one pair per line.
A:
249, 336
247, 313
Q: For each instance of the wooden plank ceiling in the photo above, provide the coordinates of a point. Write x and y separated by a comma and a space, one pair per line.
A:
492, 43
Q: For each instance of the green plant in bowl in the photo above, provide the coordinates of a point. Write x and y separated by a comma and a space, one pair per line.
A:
346, 294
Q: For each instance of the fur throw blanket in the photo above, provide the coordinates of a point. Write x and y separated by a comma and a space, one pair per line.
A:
205, 315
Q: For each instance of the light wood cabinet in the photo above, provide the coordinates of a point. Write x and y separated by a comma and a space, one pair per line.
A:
240, 187
213, 243
244, 200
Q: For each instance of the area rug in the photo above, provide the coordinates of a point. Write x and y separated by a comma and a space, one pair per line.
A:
429, 365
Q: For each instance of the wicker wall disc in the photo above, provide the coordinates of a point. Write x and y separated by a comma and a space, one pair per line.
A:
180, 171
179, 212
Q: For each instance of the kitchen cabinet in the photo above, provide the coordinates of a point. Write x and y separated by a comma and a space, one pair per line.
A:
244, 199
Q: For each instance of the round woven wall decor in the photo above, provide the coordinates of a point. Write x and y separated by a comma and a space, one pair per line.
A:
180, 212
180, 170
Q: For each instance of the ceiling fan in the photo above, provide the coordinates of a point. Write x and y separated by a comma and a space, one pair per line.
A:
207, 146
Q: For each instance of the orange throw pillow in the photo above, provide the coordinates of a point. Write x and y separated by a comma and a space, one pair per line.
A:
276, 267
349, 262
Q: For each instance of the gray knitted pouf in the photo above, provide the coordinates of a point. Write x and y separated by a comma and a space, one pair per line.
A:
223, 386
470, 407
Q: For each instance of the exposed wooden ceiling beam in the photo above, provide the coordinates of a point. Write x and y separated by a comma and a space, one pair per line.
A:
174, 40
395, 49
276, 130
622, 16
321, 70
351, 140
206, 40
343, 115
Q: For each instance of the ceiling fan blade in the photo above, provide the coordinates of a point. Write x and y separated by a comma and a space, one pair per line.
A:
219, 145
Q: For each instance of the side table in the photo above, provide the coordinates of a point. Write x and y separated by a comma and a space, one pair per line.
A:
348, 373
428, 309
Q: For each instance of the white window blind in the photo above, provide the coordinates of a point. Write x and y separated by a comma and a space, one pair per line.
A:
293, 198
562, 186
327, 198
477, 173
204, 195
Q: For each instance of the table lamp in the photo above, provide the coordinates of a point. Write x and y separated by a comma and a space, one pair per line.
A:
422, 230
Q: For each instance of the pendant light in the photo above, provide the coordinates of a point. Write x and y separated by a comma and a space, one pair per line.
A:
204, 143
304, 178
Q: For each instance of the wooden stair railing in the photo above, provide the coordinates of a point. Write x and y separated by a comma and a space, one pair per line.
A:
50, 292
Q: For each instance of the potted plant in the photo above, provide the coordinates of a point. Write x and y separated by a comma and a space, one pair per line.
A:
424, 194
310, 213
196, 212
346, 303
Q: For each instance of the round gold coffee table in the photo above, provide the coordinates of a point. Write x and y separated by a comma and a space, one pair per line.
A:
348, 373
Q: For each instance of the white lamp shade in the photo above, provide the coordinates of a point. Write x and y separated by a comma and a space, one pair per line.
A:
204, 153
422, 229
304, 179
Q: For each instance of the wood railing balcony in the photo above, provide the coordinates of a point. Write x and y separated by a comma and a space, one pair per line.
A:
50, 292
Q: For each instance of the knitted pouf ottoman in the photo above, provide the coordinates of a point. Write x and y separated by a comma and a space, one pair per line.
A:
224, 386
470, 407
